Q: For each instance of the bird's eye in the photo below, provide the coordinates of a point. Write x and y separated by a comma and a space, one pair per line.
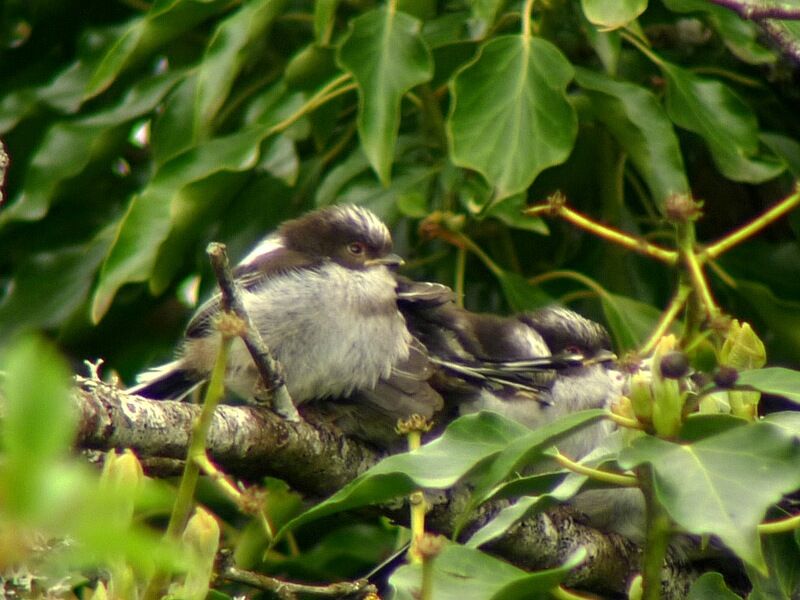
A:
356, 248
573, 350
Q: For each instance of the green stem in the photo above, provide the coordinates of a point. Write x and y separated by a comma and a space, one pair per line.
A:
477, 251
191, 470
656, 540
458, 286
426, 593
780, 526
327, 93
597, 474
632, 39
560, 593
639, 245
565, 274
753, 227
527, 13
667, 317
417, 503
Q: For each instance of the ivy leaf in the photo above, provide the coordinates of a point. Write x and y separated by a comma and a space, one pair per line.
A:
520, 294
228, 51
69, 146
635, 118
510, 118
165, 20
48, 288
509, 211
466, 442
526, 447
773, 380
724, 484
460, 572
612, 14
324, 20
713, 111
630, 321
740, 35
148, 220
387, 56
524, 507
711, 586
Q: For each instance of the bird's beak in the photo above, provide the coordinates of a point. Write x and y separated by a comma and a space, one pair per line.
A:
600, 357
390, 260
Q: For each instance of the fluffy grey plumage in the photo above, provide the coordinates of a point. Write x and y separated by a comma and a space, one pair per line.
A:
534, 368
321, 295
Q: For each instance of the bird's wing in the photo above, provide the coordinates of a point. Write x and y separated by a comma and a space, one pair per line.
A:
167, 382
252, 275
422, 294
406, 390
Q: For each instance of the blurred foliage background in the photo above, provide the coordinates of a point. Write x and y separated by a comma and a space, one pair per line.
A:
139, 131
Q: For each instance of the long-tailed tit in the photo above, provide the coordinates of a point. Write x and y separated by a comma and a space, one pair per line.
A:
321, 294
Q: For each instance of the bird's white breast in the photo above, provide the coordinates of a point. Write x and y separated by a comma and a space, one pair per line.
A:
333, 330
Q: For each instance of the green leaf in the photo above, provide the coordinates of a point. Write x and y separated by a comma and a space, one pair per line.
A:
782, 553
788, 420
773, 380
165, 20
612, 14
484, 13
509, 211
231, 47
460, 572
510, 117
713, 111
38, 424
740, 35
324, 20
69, 146
466, 442
722, 485
785, 147
148, 220
520, 294
524, 507
521, 452
387, 57
630, 321
780, 315
47, 288
711, 586
635, 118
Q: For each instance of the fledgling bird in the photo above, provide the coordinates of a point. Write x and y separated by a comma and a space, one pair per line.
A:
534, 367
323, 298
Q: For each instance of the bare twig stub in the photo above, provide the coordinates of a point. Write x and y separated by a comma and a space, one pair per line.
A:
317, 460
268, 368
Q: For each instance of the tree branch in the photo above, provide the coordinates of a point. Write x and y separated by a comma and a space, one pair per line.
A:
249, 442
755, 11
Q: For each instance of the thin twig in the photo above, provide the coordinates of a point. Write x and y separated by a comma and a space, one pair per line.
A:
751, 228
287, 589
782, 38
270, 369
556, 206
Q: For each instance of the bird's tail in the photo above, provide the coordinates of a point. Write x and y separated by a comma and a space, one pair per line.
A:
167, 382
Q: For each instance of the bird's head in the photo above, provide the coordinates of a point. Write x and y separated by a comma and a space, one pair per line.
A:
351, 236
566, 331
